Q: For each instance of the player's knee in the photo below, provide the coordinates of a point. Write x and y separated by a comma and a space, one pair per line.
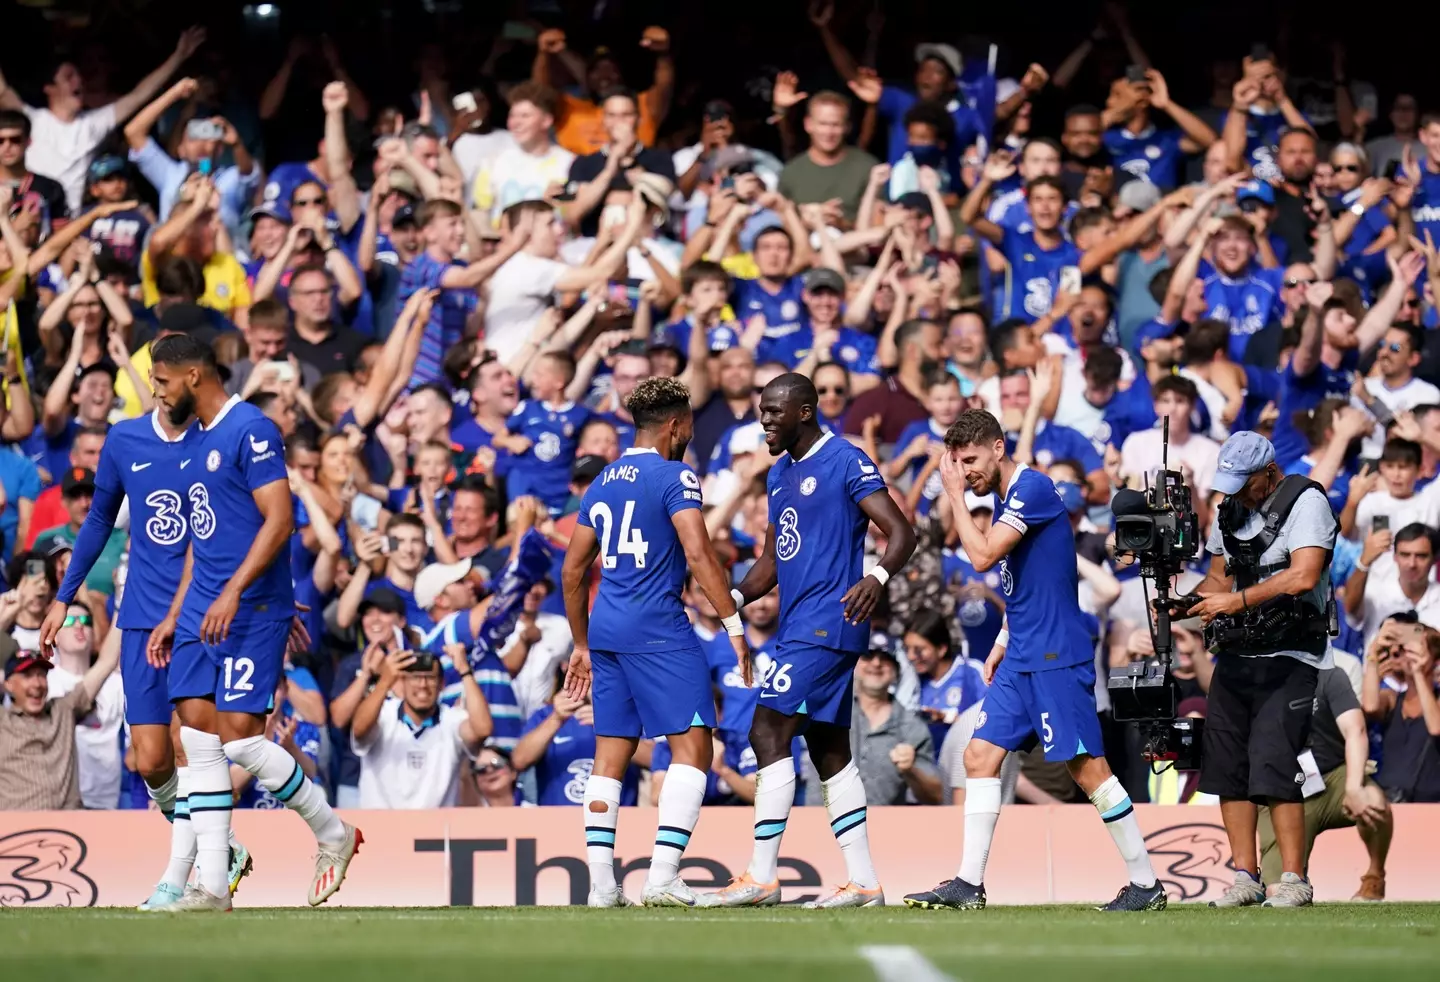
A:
155, 762
246, 751
983, 759
769, 746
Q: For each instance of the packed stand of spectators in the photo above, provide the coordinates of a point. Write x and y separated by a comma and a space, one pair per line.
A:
444, 300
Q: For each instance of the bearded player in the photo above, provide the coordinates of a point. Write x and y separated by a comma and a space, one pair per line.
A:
1042, 675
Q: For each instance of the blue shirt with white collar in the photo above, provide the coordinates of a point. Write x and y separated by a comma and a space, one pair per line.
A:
544, 469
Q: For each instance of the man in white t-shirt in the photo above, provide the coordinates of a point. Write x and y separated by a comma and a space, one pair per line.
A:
1192, 454
1394, 389
1390, 492
525, 169
64, 134
1403, 583
411, 747
523, 288
97, 736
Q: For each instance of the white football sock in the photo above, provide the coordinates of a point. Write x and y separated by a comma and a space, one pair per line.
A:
182, 832
164, 796
680, 801
845, 804
774, 795
602, 813
1113, 804
210, 799
982, 811
280, 774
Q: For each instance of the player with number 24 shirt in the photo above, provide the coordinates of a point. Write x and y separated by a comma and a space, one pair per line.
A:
636, 649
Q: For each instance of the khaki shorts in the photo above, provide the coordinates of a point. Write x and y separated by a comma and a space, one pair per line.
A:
1323, 812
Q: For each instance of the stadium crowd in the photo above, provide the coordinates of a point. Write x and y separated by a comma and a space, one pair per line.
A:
443, 293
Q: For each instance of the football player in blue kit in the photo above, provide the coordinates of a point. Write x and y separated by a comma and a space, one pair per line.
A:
823, 493
636, 650
1041, 674
236, 604
141, 461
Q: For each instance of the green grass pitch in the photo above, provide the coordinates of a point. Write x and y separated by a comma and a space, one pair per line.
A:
1392, 942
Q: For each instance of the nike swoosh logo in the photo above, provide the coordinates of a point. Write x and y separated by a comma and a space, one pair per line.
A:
775, 492
768, 695
562, 740
135, 468
1048, 749
184, 463
232, 696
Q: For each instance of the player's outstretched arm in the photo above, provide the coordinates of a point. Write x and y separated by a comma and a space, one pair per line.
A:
881, 509
277, 512
89, 542
700, 555
579, 557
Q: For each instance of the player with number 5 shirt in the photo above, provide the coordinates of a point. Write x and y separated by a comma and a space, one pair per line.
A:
823, 493
636, 649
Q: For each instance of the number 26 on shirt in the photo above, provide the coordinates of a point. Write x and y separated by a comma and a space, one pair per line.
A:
631, 542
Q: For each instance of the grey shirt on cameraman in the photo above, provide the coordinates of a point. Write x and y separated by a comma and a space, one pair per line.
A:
1310, 523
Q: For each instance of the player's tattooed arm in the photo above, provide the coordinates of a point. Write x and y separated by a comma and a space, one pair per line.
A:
881, 509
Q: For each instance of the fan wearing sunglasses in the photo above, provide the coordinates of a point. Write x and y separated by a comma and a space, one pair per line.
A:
1393, 388
97, 735
1362, 229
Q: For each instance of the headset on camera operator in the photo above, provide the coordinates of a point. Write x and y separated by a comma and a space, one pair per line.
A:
1269, 612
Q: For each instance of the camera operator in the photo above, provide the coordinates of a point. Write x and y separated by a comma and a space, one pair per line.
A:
1268, 612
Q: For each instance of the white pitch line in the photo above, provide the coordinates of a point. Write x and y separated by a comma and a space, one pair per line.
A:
901, 963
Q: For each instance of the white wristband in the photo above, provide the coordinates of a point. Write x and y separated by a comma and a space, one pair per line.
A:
732, 625
739, 599
1002, 640
880, 574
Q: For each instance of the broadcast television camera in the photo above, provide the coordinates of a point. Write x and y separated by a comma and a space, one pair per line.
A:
1160, 529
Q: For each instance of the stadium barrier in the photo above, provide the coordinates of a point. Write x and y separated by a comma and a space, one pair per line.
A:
504, 857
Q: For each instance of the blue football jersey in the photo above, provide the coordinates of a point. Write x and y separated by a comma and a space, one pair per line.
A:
630, 506
1299, 392
820, 540
140, 462
782, 309
1247, 303
1034, 273
1425, 206
1039, 579
1152, 155
565, 767
239, 453
544, 469
953, 693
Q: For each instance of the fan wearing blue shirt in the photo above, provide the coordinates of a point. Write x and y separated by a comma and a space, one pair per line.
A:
1035, 259
949, 684
641, 517
1259, 116
548, 429
775, 295
1238, 290
1042, 674
1135, 145
234, 620
823, 493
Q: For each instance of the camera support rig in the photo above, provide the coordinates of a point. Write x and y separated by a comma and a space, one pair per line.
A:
1161, 530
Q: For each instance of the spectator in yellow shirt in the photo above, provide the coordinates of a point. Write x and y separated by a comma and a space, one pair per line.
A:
194, 231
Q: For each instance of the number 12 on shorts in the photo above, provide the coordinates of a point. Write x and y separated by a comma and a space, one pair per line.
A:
237, 674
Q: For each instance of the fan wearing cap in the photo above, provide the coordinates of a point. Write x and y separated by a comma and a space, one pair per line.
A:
203, 141
582, 126
39, 768
936, 79
108, 182
77, 491
270, 223
1262, 692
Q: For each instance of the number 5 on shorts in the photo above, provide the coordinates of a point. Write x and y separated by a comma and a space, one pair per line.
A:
1046, 734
